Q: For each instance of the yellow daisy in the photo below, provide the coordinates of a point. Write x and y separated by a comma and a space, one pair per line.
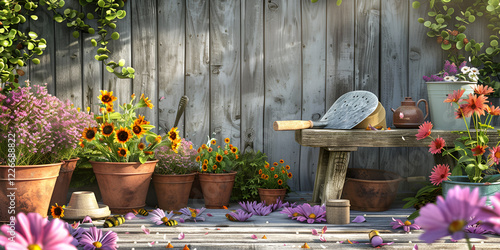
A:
173, 134
107, 97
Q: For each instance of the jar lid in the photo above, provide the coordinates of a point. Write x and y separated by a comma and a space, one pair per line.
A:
338, 203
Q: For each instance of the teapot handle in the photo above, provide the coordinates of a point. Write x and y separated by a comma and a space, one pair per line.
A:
426, 107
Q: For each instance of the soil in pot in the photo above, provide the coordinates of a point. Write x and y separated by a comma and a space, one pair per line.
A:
370, 189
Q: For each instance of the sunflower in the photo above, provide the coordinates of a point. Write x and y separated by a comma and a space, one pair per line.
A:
173, 134
226, 152
175, 146
123, 135
158, 139
210, 150
138, 130
272, 169
213, 141
57, 211
282, 161
267, 165
289, 175
275, 164
263, 176
234, 150
204, 167
205, 162
89, 133
199, 150
218, 157
280, 182
197, 158
148, 152
122, 152
275, 176
141, 146
109, 108
81, 143
227, 140
287, 167
260, 171
141, 120
283, 171
266, 177
107, 129
146, 101
203, 146
214, 167
107, 97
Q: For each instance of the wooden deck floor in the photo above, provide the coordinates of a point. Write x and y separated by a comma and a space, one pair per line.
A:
282, 233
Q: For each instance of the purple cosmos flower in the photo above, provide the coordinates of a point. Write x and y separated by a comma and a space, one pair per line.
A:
32, 231
94, 239
452, 215
311, 214
256, 208
397, 223
292, 213
279, 204
76, 231
239, 215
192, 214
477, 229
159, 217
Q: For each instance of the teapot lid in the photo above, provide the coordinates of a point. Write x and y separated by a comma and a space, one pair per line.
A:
408, 102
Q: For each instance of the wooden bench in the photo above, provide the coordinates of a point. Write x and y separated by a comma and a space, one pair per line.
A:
337, 145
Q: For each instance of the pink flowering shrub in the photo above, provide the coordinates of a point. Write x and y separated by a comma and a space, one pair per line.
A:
46, 130
170, 162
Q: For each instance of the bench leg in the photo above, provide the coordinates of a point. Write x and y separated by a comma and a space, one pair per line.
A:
338, 162
319, 181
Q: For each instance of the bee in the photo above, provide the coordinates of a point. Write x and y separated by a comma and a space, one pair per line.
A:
231, 218
142, 211
171, 223
114, 221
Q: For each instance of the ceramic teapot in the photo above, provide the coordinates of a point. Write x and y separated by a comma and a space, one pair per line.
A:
409, 115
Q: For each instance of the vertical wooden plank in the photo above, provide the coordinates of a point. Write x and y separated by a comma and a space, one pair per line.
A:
144, 55
394, 77
313, 81
68, 73
45, 71
171, 51
366, 69
92, 69
252, 75
283, 81
425, 58
225, 69
120, 49
197, 121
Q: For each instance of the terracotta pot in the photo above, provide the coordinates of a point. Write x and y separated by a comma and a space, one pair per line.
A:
196, 192
123, 185
60, 194
270, 196
31, 190
370, 189
217, 188
172, 191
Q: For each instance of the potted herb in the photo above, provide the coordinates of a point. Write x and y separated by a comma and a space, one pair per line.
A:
273, 181
37, 132
216, 175
246, 183
174, 173
121, 152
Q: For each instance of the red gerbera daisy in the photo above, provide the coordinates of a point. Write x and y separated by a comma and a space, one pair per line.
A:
437, 145
483, 90
459, 113
494, 156
475, 104
440, 173
492, 110
455, 97
479, 150
424, 130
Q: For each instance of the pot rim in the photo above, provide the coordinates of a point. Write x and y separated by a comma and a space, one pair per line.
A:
232, 172
123, 163
398, 179
469, 183
33, 166
155, 174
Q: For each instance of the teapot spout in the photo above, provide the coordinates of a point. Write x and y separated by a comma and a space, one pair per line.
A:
393, 110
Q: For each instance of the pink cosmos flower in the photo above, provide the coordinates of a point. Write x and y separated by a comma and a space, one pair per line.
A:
94, 239
455, 97
451, 216
159, 217
440, 173
35, 232
437, 145
424, 130
407, 225
483, 89
494, 156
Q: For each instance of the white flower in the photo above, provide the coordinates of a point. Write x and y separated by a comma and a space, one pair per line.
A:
448, 78
473, 77
465, 69
474, 70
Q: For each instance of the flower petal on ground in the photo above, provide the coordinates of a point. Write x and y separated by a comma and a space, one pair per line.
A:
130, 216
314, 232
323, 231
145, 230
359, 219
322, 238
181, 236
254, 236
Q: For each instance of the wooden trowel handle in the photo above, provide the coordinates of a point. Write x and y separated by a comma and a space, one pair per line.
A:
292, 125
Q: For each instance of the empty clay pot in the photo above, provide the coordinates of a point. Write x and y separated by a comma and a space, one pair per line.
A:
172, 191
84, 203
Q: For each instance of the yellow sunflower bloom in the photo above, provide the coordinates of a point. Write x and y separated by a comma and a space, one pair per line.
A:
213, 141
173, 134
275, 176
204, 167
218, 157
107, 97
205, 162
140, 120
89, 133
287, 167
282, 161
210, 150
198, 158
280, 182
234, 150
107, 129
176, 145
138, 130
141, 146
123, 135
122, 152
57, 211
214, 167
275, 164
158, 139
289, 175
145, 101
227, 140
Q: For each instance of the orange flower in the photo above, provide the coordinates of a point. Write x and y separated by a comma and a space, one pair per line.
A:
260, 171
203, 146
210, 150
282, 161
122, 152
198, 158
283, 171
89, 133
107, 129
483, 90
275, 176
234, 150
272, 168
280, 182
138, 130
267, 177
204, 167
275, 164
263, 176
479, 150
148, 152
424, 130
225, 152
214, 167
493, 110
227, 140
173, 134
267, 165
218, 157
141, 146
141, 121
57, 211
107, 97
146, 101
475, 104
455, 97
123, 135
213, 141
158, 139
230, 145
199, 150
289, 175
287, 167
236, 157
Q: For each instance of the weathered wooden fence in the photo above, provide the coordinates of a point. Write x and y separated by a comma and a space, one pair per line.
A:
246, 63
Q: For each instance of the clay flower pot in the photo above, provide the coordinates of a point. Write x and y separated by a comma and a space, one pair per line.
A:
60, 194
26, 190
217, 188
123, 185
270, 196
172, 191
84, 203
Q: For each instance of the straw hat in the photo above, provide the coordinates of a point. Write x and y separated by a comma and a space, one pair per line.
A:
375, 119
83, 203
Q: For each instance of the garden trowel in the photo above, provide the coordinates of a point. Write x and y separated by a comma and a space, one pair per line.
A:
348, 110
182, 106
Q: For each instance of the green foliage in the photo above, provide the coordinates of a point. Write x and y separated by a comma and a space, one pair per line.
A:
83, 174
19, 45
427, 194
246, 183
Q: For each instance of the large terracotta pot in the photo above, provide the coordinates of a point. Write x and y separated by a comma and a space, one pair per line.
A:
26, 189
370, 189
123, 185
217, 188
196, 192
172, 191
270, 196
60, 194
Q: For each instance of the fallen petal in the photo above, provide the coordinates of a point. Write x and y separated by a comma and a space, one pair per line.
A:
130, 216
415, 247
181, 220
181, 236
206, 233
144, 229
322, 238
359, 219
224, 207
127, 233
87, 219
254, 236
324, 230
209, 215
314, 232
152, 243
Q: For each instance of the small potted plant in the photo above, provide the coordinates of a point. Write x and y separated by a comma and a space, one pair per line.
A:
36, 129
121, 152
273, 181
174, 173
216, 177
246, 184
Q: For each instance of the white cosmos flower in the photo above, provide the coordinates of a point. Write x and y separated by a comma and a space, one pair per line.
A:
474, 70
465, 69
473, 77
448, 78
